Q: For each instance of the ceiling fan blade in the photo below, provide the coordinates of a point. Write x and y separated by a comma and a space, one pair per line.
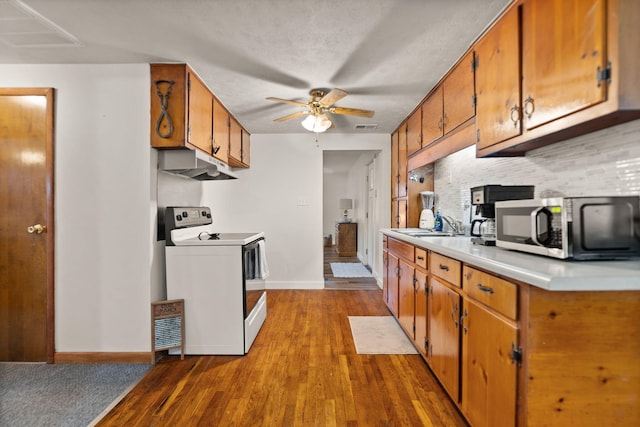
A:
288, 101
291, 116
352, 111
332, 97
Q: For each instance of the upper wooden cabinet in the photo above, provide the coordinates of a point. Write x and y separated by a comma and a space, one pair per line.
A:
579, 73
450, 104
186, 114
238, 145
402, 161
414, 132
221, 131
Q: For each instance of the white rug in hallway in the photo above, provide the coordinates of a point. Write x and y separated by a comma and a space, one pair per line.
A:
379, 335
349, 269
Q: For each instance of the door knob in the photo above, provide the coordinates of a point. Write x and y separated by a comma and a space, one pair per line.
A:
37, 228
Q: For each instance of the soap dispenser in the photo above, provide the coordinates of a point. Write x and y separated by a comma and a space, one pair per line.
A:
438, 221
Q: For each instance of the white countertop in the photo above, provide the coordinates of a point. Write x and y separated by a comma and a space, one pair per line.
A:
543, 272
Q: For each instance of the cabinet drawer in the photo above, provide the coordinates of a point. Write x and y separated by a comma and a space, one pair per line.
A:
492, 291
421, 258
401, 249
445, 268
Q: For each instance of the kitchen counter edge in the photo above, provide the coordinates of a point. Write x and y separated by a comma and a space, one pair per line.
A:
546, 273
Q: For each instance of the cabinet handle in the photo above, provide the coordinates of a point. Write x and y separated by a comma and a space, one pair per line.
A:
421, 258
444, 122
465, 314
529, 111
486, 289
398, 272
453, 315
441, 124
216, 149
515, 110
443, 267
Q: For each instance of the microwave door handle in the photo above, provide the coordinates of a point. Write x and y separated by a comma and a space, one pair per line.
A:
534, 226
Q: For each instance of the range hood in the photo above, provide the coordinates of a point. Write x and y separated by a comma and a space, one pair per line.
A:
193, 164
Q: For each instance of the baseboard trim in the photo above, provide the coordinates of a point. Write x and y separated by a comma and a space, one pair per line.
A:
102, 357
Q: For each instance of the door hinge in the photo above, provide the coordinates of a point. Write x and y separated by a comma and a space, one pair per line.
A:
477, 135
414, 328
366, 251
516, 354
426, 343
474, 63
474, 100
188, 132
603, 74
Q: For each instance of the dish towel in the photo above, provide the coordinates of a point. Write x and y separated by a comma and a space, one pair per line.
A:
263, 268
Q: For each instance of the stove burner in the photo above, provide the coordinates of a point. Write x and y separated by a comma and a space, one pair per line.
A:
210, 236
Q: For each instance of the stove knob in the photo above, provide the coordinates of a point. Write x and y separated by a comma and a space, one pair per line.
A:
185, 214
204, 214
178, 217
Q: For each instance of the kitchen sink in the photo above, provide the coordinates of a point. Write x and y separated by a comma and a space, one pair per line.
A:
418, 232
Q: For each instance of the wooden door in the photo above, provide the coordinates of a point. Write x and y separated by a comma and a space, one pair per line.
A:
432, 125
200, 111
26, 200
488, 376
421, 311
563, 47
458, 95
444, 343
392, 272
498, 115
414, 132
402, 161
406, 297
220, 131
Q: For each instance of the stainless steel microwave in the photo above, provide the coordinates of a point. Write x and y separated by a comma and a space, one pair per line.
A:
580, 228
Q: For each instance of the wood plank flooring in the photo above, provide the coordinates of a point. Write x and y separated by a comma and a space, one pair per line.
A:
330, 282
302, 370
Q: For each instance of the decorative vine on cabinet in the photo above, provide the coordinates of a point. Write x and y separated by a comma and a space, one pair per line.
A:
186, 114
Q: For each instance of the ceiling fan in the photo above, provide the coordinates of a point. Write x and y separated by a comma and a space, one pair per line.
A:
320, 105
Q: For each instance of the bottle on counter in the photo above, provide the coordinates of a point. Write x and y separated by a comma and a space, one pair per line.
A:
438, 221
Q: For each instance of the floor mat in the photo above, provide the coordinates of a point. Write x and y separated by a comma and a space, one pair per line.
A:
349, 269
379, 335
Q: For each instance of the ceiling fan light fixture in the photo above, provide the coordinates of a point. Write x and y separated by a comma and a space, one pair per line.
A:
317, 123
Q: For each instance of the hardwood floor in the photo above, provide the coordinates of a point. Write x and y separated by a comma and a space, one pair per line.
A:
302, 370
330, 282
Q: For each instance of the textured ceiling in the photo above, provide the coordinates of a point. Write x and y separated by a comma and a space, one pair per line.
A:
386, 53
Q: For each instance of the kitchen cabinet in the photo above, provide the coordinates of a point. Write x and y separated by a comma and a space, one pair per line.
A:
414, 132
510, 353
392, 283
239, 145
489, 335
444, 335
399, 213
399, 178
346, 238
402, 161
451, 104
385, 271
221, 131
181, 108
421, 335
406, 298
578, 74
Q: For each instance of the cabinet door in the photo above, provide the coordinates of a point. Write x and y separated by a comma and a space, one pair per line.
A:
414, 132
402, 161
563, 47
402, 213
394, 167
421, 336
220, 131
385, 277
432, 125
444, 335
392, 272
498, 82
200, 114
488, 376
458, 94
235, 143
406, 302
246, 148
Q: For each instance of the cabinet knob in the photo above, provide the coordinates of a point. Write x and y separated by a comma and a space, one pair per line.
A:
515, 115
36, 228
529, 107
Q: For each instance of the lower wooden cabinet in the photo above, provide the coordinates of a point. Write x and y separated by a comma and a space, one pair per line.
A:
346, 238
421, 336
392, 283
406, 298
488, 379
444, 336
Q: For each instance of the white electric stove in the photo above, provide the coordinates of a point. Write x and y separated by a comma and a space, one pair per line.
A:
221, 278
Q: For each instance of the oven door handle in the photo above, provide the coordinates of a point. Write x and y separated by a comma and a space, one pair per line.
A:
534, 224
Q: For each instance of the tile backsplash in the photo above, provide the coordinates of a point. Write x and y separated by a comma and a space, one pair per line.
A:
605, 162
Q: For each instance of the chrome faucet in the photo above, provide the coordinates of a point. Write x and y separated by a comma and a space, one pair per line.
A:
456, 226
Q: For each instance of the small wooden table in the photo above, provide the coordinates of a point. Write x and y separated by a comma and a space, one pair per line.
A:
346, 238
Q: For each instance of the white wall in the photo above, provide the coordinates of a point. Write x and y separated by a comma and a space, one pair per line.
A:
102, 202
286, 170
334, 188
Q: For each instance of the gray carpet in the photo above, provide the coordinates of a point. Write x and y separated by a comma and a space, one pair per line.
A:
61, 395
